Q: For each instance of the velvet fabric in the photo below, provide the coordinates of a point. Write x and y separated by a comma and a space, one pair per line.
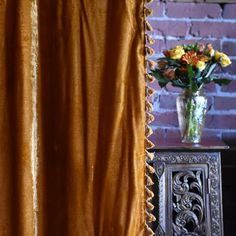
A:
72, 118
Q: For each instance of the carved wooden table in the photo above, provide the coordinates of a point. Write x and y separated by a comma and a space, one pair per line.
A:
188, 195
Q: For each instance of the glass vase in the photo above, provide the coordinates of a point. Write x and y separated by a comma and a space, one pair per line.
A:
191, 111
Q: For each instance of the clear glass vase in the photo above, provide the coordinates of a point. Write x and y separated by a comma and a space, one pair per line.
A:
191, 110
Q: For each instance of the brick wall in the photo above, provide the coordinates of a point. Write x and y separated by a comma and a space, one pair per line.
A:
178, 23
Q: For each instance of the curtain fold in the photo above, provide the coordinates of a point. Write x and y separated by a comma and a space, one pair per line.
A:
72, 122
16, 200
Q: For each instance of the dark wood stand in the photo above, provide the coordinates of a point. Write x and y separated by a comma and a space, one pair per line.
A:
188, 188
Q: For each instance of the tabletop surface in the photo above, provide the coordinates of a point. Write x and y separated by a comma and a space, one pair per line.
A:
176, 144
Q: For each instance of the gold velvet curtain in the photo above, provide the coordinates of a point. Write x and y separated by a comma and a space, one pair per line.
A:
72, 118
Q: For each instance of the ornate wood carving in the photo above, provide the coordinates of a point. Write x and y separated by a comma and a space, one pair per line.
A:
188, 203
189, 187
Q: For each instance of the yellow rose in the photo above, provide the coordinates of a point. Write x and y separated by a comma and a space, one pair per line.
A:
212, 52
210, 49
177, 52
222, 58
201, 65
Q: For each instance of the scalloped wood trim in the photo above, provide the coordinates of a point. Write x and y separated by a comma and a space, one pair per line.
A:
149, 51
149, 91
149, 118
150, 169
148, 26
149, 231
150, 206
148, 12
149, 106
150, 217
149, 155
149, 181
150, 194
148, 131
149, 144
151, 64
149, 39
149, 78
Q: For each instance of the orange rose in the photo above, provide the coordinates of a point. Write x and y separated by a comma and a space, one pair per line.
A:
201, 47
161, 64
166, 53
190, 58
209, 47
169, 74
151, 64
203, 58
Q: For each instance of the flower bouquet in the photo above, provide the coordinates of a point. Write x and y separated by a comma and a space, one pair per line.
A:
190, 67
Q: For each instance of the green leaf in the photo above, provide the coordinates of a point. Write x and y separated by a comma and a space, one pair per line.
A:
194, 86
207, 80
190, 72
198, 75
192, 82
195, 47
171, 62
155, 73
160, 78
178, 83
158, 75
189, 47
222, 81
162, 84
210, 70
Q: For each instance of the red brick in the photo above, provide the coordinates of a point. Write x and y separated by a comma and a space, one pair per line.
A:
209, 133
173, 43
155, 101
158, 134
209, 102
213, 29
155, 85
168, 101
163, 133
209, 88
229, 11
231, 68
158, 8
193, 10
225, 103
229, 138
159, 45
231, 88
172, 89
221, 122
173, 134
229, 48
168, 88
168, 119
171, 28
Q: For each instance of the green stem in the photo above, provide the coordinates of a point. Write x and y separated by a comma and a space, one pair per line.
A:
191, 124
